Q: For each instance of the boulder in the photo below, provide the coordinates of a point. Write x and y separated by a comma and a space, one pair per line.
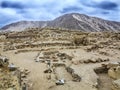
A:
114, 72
12, 67
48, 71
113, 64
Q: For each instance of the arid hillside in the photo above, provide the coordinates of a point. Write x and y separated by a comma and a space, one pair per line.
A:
70, 21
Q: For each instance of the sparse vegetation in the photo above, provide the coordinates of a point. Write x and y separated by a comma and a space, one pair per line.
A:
81, 40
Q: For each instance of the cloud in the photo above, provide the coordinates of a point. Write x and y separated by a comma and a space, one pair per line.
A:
16, 10
9, 4
105, 12
71, 9
107, 5
101, 4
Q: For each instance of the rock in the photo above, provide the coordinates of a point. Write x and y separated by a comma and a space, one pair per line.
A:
102, 69
99, 60
4, 61
70, 70
12, 67
48, 71
114, 72
104, 53
76, 77
116, 85
93, 61
75, 62
10, 89
23, 76
60, 82
113, 64
87, 61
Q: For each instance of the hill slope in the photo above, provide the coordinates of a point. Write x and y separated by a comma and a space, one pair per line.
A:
69, 21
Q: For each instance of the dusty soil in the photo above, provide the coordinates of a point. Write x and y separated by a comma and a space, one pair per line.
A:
105, 82
40, 81
87, 50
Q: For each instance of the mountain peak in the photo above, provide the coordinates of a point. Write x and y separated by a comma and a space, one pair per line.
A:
69, 21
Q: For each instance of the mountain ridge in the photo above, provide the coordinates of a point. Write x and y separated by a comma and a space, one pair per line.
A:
70, 21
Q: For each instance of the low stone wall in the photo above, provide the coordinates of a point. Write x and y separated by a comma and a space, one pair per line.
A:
75, 76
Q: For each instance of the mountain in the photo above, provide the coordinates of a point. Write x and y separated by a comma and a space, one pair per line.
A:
69, 21
19, 26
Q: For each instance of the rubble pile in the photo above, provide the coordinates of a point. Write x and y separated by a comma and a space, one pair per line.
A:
56, 60
75, 76
93, 48
113, 71
104, 53
9, 81
53, 56
98, 60
80, 40
103, 69
63, 56
24, 51
116, 85
11, 77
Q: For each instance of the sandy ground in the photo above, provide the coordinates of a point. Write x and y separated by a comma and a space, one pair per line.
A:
38, 78
26, 60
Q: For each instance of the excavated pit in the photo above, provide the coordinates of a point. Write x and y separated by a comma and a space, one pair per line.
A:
104, 81
61, 73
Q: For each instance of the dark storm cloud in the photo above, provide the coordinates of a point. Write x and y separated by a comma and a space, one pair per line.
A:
10, 4
107, 5
70, 9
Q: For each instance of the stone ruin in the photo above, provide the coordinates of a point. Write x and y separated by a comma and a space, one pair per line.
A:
4, 61
11, 77
75, 76
55, 60
97, 60
80, 40
113, 71
53, 56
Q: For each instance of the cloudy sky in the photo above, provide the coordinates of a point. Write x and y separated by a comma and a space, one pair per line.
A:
16, 10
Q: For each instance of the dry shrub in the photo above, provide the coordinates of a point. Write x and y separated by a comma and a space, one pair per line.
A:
93, 48
116, 36
80, 40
